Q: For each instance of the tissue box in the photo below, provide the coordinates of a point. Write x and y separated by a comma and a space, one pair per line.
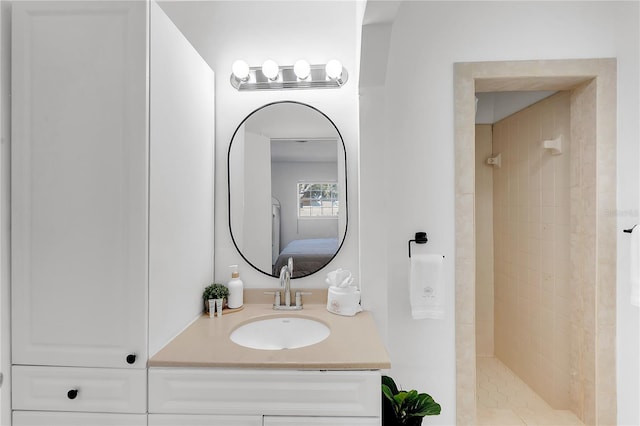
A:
343, 300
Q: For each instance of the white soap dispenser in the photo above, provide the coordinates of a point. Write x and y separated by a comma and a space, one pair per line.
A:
236, 288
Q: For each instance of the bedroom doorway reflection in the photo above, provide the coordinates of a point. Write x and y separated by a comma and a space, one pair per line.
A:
287, 181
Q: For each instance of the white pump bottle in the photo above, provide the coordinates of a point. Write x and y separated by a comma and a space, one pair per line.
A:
236, 288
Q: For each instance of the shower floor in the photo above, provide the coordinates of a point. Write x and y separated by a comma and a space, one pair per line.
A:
503, 399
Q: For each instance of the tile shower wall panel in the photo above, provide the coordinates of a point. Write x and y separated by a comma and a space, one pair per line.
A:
484, 241
586, 312
532, 245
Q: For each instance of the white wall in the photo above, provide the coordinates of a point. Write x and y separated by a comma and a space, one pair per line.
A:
5, 172
418, 154
181, 171
494, 106
374, 268
223, 31
256, 244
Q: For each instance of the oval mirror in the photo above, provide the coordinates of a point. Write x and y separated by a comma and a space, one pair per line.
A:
287, 182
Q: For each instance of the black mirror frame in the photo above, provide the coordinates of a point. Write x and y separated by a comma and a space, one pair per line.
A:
346, 186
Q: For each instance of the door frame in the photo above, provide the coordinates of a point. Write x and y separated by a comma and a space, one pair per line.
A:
598, 79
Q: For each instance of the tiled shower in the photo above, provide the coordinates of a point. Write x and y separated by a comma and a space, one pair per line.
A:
527, 304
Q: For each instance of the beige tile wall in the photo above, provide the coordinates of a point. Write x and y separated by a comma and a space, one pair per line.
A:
484, 241
533, 286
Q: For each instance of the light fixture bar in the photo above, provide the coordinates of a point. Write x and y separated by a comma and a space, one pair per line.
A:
287, 79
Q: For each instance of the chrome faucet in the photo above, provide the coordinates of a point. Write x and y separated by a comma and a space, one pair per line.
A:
285, 281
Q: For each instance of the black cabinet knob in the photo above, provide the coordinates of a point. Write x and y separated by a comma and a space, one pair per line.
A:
131, 358
72, 394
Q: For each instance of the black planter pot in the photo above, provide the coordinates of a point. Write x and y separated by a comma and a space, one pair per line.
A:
414, 421
389, 418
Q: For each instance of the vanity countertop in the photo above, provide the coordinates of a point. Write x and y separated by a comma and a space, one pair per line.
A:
354, 343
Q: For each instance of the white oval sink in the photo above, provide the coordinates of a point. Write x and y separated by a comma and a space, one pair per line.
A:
280, 333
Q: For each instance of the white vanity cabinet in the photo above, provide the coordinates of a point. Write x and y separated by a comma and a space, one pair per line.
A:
320, 421
48, 418
203, 420
281, 396
112, 204
211, 420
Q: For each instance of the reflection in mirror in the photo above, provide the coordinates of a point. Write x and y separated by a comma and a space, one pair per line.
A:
287, 188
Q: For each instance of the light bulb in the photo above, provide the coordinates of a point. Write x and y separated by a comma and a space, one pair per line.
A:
270, 69
333, 69
240, 70
302, 69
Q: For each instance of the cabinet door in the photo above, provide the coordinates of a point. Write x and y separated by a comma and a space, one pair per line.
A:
321, 421
202, 420
44, 418
79, 183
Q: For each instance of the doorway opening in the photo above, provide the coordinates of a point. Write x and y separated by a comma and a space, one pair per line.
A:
526, 305
581, 275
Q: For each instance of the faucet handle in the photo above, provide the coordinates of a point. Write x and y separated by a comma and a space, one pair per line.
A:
276, 298
299, 297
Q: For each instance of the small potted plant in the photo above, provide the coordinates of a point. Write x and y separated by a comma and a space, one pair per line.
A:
213, 292
402, 408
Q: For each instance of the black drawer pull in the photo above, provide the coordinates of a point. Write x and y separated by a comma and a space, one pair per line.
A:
72, 394
131, 358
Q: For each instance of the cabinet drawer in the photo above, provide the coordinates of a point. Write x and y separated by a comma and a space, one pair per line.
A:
49, 418
203, 420
79, 389
321, 421
268, 392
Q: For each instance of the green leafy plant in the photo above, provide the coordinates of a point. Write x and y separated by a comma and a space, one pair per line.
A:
214, 291
405, 408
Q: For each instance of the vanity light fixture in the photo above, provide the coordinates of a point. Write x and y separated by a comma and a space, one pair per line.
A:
270, 69
301, 75
302, 69
334, 69
240, 70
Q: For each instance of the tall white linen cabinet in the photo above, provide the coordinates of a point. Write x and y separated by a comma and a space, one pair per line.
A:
111, 204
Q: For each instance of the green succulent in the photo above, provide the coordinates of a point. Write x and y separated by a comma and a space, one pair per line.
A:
215, 291
405, 408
